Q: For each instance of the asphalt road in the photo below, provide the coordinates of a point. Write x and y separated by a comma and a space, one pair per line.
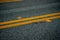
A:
34, 31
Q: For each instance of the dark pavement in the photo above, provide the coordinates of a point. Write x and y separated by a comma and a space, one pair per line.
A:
35, 31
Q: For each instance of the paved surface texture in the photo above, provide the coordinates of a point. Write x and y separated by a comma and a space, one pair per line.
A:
35, 31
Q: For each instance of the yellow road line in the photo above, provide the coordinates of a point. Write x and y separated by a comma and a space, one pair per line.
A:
30, 18
27, 22
3, 1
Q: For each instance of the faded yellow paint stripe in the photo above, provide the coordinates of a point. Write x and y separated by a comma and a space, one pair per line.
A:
30, 18
3, 1
27, 22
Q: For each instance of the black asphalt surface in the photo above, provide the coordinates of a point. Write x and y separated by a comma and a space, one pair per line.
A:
34, 31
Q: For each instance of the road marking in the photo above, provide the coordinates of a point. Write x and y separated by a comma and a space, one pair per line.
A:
28, 22
3, 1
30, 18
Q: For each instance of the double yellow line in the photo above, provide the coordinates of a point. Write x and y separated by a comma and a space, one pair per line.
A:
29, 20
